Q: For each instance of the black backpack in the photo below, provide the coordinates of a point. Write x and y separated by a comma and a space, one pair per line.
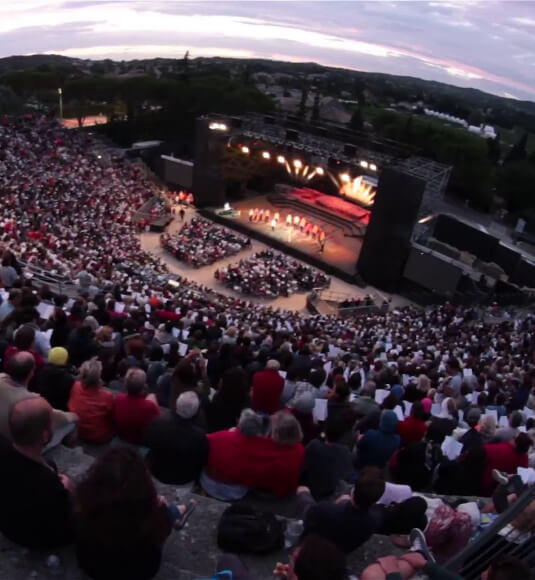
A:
243, 529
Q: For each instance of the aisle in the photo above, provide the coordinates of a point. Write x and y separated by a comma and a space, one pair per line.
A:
150, 242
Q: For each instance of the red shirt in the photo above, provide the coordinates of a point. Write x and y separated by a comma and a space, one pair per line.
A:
132, 415
501, 456
255, 462
94, 408
411, 430
267, 390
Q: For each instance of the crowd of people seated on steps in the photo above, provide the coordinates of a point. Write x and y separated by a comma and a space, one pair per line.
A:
201, 243
269, 274
356, 418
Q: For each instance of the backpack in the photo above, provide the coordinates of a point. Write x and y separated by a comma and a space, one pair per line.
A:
243, 529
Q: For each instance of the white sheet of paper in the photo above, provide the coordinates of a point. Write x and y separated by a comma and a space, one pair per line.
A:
522, 428
119, 307
435, 409
469, 397
45, 310
405, 380
182, 348
408, 408
185, 334
175, 332
399, 412
147, 308
527, 475
282, 374
504, 422
467, 372
4, 295
528, 412
320, 410
451, 448
492, 413
166, 348
381, 395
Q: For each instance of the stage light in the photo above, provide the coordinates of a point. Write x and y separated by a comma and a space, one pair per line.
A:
217, 126
319, 171
364, 164
280, 159
345, 177
266, 155
297, 164
426, 219
373, 167
245, 150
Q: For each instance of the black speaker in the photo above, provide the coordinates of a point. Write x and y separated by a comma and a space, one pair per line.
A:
350, 150
292, 135
208, 187
387, 241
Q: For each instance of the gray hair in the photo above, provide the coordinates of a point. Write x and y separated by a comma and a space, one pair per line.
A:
187, 405
273, 365
250, 424
90, 372
285, 429
134, 381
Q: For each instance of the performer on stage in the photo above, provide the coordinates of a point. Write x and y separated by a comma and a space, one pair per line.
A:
289, 220
267, 216
315, 230
322, 238
251, 213
276, 216
302, 223
296, 221
255, 214
273, 224
308, 229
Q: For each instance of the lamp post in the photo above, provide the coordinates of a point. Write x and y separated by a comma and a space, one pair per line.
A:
60, 96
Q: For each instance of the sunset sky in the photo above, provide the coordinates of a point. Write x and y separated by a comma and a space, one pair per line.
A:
488, 45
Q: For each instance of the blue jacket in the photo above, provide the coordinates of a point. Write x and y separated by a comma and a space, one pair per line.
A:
377, 446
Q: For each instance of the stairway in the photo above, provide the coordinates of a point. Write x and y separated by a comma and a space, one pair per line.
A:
350, 228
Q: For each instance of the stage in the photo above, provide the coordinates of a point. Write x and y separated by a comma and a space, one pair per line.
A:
341, 250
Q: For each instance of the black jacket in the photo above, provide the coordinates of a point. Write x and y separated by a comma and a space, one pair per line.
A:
178, 449
54, 383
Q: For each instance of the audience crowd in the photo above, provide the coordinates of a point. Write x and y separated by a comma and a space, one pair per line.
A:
358, 418
269, 274
201, 243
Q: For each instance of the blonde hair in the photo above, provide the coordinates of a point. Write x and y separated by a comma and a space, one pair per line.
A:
487, 427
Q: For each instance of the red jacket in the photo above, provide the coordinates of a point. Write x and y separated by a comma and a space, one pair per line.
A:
132, 415
255, 462
411, 430
267, 390
501, 456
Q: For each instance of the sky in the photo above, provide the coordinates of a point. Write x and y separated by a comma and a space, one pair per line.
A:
489, 45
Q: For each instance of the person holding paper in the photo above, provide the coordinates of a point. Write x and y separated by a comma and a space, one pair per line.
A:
507, 434
414, 427
505, 457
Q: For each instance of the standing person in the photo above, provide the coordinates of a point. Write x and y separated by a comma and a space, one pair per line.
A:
121, 523
267, 388
182, 213
35, 503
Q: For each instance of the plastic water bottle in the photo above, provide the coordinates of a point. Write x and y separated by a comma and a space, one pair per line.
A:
53, 563
293, 532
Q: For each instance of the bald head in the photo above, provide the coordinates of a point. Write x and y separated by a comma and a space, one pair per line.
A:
30, 421
20, 366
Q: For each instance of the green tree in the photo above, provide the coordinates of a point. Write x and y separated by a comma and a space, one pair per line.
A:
515, 184
518, 150
356, 122
315, 115
494, 150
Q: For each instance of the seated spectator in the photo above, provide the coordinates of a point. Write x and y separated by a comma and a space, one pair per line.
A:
340, 409
376, 447
8, 306
444, 425
414, 427
178, 448
156, 367
487, 429
14, 387
267, 388
241, 459
314, 559
55, 380
303, 411
93, 404
82, 344
326, 463
134, 410
121, 523
229, 401
347, 522
506, 457
472, 437
505, 434
35, 503
365, 402
24, 340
